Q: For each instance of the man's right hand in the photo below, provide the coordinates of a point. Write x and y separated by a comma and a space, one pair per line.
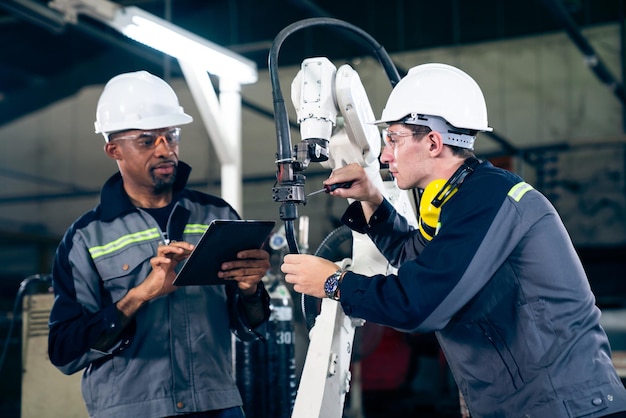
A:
362, 188
159, 281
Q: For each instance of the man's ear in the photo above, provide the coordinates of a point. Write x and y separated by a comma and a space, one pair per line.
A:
435, 143
112, 149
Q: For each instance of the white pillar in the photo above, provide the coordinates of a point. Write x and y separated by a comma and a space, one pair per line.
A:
232, 177
222, 119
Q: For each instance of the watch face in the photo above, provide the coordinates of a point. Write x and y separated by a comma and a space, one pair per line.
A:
330, 286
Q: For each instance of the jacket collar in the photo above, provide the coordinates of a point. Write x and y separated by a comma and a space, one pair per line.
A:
114, 201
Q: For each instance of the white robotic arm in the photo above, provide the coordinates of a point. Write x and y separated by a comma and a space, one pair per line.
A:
319, 93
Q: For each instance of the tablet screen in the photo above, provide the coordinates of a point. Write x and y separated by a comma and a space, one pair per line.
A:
220, 243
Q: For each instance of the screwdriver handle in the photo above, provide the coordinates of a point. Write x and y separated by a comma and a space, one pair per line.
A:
333, 187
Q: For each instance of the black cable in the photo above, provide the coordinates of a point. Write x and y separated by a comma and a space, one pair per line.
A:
280, 111
290, 236
310, 305
284, 157
21, 291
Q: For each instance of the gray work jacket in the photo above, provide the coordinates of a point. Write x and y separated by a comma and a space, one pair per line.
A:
176, 355
504, 290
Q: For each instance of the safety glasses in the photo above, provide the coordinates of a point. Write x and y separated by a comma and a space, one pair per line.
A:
149, 140
394, 139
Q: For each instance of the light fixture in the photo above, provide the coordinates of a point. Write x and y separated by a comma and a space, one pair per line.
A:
164, 36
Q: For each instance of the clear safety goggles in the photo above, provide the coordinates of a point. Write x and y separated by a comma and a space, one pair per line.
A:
149, 140
394, 139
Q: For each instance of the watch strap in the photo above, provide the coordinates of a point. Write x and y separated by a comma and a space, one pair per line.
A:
331, 285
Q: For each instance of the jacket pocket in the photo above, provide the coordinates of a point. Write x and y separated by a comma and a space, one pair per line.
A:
481, 360
586, 405
124, 270
507, 359
538, 343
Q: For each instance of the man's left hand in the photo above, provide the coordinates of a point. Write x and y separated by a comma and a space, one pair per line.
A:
307, 273
247, 270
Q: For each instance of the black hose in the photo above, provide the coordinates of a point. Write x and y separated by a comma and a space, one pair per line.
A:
280, 111
328, 249
284, 157
290, 236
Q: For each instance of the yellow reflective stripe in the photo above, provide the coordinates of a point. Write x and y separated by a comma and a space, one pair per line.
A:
196, 228
147, 235
519, 190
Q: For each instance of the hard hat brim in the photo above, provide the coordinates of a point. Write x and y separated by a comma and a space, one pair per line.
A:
148, 123
384, 122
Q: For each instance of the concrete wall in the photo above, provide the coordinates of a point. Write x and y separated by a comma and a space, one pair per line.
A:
539, 93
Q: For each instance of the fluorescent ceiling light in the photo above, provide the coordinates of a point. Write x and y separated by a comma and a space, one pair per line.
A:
172, 40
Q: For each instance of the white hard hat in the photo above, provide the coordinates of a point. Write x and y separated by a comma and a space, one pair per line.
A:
138, 100
442, 91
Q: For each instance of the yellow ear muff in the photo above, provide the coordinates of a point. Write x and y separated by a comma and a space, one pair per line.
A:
439, 192
428, 224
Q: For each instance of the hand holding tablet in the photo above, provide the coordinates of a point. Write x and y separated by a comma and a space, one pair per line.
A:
220, 243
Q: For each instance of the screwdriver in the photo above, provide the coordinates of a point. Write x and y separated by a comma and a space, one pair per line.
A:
331, 187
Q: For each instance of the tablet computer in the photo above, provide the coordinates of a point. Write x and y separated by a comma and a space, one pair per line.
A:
221, 242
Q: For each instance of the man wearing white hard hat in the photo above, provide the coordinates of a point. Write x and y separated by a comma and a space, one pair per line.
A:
150, 349
490, 268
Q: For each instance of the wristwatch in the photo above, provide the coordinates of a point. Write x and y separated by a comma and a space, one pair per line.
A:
331, 285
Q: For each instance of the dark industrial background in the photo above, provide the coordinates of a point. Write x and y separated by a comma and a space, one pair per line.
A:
47, 63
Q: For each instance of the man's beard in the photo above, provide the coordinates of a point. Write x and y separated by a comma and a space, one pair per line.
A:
164, 183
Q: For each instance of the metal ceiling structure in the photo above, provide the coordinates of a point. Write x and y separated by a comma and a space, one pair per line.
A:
46, 59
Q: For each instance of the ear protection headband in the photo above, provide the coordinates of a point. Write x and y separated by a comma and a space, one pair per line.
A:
439, 192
